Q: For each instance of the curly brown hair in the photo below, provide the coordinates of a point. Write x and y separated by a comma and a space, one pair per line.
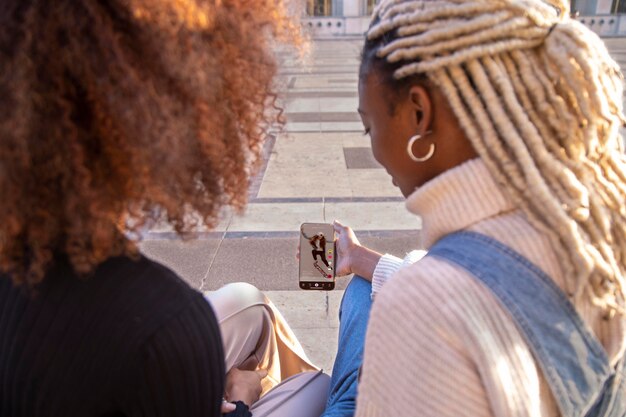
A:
117, 112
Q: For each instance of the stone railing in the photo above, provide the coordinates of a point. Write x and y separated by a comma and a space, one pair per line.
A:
610, 25
322, 27
605, 25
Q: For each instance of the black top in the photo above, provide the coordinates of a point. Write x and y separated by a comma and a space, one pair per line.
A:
132, 340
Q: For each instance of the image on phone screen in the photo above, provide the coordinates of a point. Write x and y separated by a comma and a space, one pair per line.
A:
317, 256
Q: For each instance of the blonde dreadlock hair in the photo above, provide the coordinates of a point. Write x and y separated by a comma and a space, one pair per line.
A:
540, 99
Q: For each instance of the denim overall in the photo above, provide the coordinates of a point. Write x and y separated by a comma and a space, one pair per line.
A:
573, 362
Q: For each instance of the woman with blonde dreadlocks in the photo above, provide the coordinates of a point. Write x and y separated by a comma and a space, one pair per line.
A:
499, 121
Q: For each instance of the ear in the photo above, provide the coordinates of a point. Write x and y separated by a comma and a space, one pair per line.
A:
421, 104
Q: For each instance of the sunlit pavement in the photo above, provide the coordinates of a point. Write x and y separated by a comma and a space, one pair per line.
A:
319, 168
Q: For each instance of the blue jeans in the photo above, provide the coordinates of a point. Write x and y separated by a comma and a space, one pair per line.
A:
353, 316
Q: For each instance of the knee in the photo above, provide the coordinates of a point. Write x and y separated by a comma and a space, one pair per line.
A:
358, 295
239, 290
322, 386
240, 287
359, 288
235, 297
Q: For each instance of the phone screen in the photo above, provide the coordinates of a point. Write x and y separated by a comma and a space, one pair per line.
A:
317, 256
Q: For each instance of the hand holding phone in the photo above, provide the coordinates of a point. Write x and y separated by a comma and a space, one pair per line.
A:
346, 245
317, 256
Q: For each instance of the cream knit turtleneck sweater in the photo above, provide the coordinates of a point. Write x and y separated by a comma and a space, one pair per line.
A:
438, 342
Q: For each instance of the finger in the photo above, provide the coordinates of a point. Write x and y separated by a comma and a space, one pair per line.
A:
338, 226
228, 407
262, 373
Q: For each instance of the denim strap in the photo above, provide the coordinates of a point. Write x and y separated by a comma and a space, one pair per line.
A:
573, 361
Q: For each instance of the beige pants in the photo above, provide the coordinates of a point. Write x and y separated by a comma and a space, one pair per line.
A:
256, 336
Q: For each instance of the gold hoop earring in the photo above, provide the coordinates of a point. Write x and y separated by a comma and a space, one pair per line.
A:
409, 149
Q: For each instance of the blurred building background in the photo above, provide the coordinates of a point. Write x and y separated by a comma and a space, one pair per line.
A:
330, 18
605, 17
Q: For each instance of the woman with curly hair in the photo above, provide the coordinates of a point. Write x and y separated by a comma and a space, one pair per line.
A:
114, 113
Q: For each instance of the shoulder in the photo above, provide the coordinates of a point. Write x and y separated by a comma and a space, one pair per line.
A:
139, 268
421, 305
433, 305
419, 326
149, 295
175, 342
429, 284
150, 283
435, 320
437, 293
172, 337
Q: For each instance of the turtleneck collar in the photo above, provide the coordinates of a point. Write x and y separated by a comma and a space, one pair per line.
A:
457, 199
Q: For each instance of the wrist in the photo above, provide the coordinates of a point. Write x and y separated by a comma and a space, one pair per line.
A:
239, 396
241, 410
364, 261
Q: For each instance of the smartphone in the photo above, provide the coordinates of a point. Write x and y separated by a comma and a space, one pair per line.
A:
317, 256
